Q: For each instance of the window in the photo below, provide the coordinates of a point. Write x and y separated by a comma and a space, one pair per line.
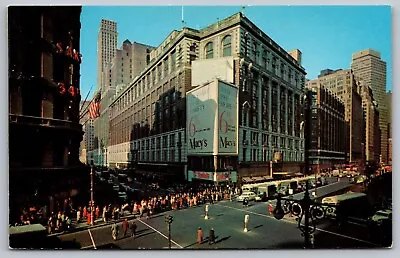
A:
173, 60
209, 50
227, 46
166, 66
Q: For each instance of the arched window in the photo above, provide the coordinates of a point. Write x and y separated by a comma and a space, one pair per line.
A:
227, 46
209, 50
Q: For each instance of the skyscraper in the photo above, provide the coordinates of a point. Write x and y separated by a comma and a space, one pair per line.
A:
106, 47
371, 70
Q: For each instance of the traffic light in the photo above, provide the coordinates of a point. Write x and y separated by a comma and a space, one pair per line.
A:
169, 219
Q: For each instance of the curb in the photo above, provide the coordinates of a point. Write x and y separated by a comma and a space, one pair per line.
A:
90, 227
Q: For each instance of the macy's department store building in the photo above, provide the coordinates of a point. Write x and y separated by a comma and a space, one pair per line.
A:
220, 149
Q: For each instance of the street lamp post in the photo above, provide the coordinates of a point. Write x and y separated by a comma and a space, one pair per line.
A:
169, 219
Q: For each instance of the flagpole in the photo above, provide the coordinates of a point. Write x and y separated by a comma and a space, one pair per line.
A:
183, 21
83, 103
86, 110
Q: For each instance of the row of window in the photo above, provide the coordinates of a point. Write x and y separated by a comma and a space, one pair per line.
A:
263, 57
253, 140
254, 155
226, 47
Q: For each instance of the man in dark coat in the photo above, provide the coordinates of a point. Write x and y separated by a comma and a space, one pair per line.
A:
245, 202
211, 237
133, 229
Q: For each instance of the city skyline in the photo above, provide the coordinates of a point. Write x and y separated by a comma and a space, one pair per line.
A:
348, 32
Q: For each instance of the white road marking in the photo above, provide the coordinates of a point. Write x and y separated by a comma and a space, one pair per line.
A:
172, 241
91, 237
293, 222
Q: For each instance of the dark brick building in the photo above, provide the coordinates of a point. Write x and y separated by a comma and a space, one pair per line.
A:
44, 97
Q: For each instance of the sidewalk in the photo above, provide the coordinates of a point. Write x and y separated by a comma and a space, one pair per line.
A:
97, 223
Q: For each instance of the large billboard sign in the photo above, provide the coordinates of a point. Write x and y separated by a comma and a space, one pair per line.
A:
227, 118
201, 105
212, 119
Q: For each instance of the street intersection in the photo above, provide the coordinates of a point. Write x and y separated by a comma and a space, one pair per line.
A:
227, 219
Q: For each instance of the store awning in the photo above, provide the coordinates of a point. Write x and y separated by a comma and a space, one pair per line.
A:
247, 180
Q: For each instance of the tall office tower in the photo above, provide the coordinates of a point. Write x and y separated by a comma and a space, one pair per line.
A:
371, 70
342, 84
106, 47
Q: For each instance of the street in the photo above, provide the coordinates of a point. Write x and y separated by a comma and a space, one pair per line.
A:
227, 219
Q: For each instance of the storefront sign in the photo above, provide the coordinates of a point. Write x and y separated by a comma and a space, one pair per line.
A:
212, 176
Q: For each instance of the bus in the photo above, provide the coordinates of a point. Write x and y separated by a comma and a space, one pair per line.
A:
347, 205
266, 190
288, 186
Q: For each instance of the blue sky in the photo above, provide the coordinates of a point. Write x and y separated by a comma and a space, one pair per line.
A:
326, 35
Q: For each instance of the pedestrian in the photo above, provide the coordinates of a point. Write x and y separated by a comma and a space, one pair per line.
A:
104, 214
270, 208
245, 202
199, 236
125, 226
89, 218
211, 237
114, 231
133, 229
148, 213
78, 215
97, 212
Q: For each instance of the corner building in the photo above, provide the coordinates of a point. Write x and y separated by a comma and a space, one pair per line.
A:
44, 98
148, 119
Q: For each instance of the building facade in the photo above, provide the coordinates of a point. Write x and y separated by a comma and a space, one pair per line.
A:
88, 134
125, 64
343, 85
106, 48
389, 128
327, 128
44, 97
372, 134
371, 69
148, 118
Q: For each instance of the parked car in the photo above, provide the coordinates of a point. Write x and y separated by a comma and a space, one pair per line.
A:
380, 216
251, 196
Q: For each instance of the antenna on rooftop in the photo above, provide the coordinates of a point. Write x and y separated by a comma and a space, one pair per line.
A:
243, 9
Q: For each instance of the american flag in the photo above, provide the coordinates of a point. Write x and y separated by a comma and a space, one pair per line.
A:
94, 109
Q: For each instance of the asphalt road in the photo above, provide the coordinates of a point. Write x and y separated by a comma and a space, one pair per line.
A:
227, 219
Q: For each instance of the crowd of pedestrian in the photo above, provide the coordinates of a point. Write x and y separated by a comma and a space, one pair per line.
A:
64, 216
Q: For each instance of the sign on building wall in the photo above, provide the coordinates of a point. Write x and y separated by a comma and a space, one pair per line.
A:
212, 119
204, 70
213, 176
227, 118
201, 111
